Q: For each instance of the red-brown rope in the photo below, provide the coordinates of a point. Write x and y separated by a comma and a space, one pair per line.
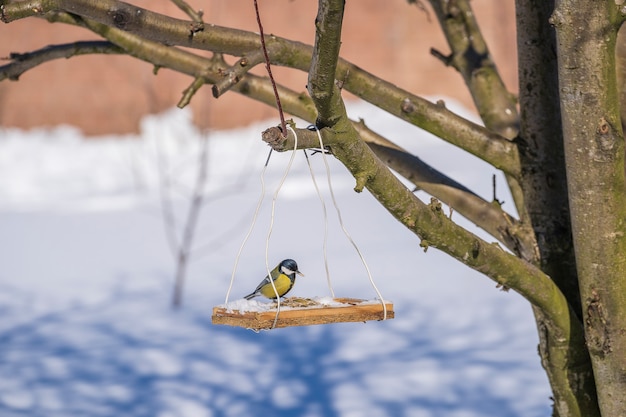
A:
283, 125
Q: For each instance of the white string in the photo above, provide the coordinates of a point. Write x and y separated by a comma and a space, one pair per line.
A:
254, 218
324, 247
269, 232
274, 198
345, 231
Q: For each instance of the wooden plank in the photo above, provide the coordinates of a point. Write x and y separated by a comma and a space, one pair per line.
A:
306, 312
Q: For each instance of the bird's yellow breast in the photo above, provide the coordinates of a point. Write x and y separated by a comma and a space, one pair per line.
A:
282, 283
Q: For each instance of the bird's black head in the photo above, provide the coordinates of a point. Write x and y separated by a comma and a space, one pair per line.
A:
289, 267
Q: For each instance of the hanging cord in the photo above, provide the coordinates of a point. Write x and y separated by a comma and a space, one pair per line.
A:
345, 231
269, 231
254, 218
324, 248
284, 133
283, 125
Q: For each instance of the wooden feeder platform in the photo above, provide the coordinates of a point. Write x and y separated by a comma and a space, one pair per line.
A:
296, 311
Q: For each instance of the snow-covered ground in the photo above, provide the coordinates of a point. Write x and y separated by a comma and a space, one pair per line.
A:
86, 277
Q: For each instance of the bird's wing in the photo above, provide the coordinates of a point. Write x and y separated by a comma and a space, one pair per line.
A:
264, 282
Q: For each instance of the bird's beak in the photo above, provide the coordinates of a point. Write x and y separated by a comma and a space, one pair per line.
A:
300, 273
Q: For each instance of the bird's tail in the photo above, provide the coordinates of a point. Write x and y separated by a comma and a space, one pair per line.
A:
251, 296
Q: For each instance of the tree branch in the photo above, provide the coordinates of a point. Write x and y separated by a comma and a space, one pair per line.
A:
191, 222
471, 58
488, 216
437, 230
234, 73
21, 63
429, 222
441, 122
190, 91
321, 83
196, 17
482, 213
485, 215
433, 118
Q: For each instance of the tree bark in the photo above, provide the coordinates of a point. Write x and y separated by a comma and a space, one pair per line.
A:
594, 152
471, 58
544, 184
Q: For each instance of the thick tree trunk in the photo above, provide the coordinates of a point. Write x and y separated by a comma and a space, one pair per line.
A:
594, 152
544, 185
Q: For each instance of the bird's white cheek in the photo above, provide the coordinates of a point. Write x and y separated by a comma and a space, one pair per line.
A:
286, 270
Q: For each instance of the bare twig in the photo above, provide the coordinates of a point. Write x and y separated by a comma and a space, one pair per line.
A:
195, 16
495, 196
20, 63
446, 59
234, 73
190, 91
167, 210
197, 24
195, 207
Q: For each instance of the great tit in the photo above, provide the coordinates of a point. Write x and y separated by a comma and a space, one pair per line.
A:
284, 276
